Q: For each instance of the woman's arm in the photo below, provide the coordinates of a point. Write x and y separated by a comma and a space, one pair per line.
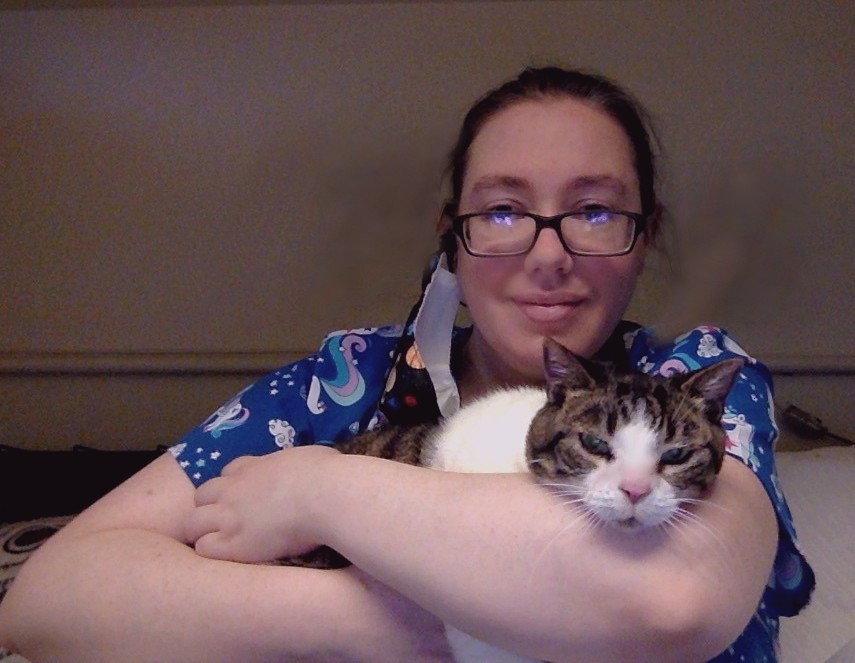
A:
523, 572
499, 557
118, 584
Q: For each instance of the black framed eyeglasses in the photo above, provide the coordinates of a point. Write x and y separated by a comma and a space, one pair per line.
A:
596, 232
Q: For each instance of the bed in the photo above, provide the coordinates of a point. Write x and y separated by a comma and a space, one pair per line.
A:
818, 484
819, 488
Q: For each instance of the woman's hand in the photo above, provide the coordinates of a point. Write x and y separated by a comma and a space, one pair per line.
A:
255, 511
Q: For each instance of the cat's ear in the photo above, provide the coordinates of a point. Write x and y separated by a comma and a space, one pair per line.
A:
714, 382
564, 371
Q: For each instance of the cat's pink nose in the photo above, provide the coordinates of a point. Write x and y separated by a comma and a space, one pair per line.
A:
635, 489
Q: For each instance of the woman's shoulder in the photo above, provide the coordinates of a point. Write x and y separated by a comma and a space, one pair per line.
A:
314, 400
649, 351
748, 420
364, 342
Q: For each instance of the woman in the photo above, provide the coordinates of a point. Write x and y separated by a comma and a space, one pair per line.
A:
487, 553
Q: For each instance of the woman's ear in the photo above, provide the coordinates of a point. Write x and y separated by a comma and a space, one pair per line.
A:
643, 244
647, 239
448, 246
446, 214
447, 240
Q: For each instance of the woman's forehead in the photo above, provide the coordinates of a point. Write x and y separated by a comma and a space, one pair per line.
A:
565, 141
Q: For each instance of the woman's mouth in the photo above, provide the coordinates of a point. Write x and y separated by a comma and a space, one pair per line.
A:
548, 313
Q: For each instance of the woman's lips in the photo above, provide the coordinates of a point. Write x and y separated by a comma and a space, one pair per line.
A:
547, 312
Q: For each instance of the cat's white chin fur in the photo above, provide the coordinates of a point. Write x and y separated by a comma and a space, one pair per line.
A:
610, 506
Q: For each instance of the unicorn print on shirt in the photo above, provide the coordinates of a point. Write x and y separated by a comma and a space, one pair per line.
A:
739, 434
348, 385
231, 415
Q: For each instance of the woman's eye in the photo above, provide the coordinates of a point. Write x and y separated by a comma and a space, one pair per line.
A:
675, 456
593, 444
502, 216
501, 207
596, 214
598, 217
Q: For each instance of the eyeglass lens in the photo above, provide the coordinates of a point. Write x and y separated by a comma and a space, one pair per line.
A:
504, 233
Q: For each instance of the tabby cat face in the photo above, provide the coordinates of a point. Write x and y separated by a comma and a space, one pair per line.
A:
629, 447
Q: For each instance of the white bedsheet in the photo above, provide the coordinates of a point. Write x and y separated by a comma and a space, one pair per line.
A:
820, 488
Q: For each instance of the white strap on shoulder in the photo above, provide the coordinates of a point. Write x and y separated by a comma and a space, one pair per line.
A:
432, 330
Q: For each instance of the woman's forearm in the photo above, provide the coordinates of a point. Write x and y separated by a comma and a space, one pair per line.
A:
162, 602
122, 596
501, 558
111, 588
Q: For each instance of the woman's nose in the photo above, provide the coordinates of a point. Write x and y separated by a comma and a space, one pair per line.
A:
548, 253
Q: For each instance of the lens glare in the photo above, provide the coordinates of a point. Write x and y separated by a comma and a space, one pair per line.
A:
596, 232
500, 233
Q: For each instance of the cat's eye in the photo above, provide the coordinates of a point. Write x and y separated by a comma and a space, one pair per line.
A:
675, 456
593, 444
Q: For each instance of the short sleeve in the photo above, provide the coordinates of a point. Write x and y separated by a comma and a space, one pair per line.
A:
317, 400
749, 421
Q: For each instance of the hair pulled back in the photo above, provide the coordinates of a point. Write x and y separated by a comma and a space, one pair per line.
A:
535, 84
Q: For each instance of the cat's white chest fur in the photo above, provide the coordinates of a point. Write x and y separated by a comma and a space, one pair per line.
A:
488, 435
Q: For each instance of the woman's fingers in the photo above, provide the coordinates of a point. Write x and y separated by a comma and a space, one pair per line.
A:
213, 545
206, 520
209, 492
237, 464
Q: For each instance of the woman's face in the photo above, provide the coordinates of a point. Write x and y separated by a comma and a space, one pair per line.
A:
547, 156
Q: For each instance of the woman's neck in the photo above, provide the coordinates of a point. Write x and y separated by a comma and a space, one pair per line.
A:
479, 371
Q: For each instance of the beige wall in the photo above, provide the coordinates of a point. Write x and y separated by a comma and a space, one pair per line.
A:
224, 184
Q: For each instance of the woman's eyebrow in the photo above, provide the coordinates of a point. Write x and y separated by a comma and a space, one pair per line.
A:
597, 182
489, 182
514, 183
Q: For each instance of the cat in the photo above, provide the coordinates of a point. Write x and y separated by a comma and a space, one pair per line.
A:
632, 447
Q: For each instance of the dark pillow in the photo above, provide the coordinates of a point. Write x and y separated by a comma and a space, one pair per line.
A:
35, 484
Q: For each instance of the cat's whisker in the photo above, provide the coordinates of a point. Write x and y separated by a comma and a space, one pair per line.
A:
564, 491
694, 500
571, 494
691, 522
588, 522
562, 486
593, 522
566, 494
692, 536
572, 505
680, 405
570, 500
566, 505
